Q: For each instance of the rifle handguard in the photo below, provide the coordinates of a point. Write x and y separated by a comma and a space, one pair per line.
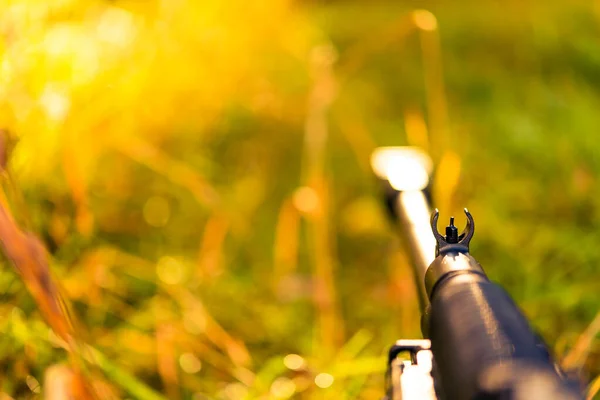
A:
482, 344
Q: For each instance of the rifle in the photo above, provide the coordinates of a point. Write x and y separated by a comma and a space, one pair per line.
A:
477, 344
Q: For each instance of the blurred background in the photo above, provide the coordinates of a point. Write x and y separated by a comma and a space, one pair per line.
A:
198, 175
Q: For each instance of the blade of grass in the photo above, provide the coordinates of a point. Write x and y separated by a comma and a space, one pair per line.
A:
352, 125
125, 380
355, 345
211, 247
178, 172
329, 324
285, 248
437, 108
576, 357
593, 389
62, 382
166, 358
359, 366
355, 57
29, 258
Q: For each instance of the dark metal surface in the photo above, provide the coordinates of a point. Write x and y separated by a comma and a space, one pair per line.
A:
452, 254
482, 344
451, 264
484, 348
447, 244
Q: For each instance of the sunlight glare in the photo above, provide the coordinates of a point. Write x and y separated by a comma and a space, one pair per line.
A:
406, 168
55, 103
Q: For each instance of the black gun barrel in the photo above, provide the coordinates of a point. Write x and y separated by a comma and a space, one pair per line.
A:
412, 210
482, 344
404, 173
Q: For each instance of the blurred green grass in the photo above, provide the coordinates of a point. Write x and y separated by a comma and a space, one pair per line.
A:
170, 203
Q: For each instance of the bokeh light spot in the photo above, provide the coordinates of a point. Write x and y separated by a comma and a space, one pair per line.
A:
169, 270
294, 362
234, 391
55, 103
306, 200
283, 388
324, 380
425, 20
190, 363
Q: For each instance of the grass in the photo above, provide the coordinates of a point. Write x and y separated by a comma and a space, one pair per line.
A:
199, 177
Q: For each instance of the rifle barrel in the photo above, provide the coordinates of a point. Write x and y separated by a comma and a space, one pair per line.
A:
413, 211
405, 173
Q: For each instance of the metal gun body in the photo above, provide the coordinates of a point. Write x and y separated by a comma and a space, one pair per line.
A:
477, 344
413, 211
